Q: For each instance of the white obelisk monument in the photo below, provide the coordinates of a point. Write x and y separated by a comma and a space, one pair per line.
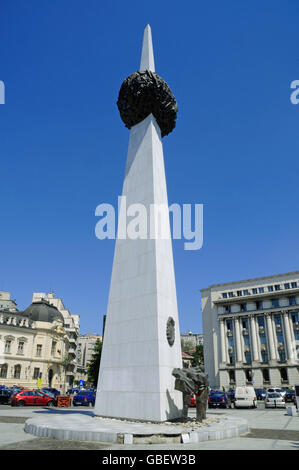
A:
141, 343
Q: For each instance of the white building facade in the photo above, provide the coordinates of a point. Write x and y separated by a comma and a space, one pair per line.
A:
71, 324
251, 332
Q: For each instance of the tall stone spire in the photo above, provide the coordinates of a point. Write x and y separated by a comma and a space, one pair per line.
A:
147, 56
141, 344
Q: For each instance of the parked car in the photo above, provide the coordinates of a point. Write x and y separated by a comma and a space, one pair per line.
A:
73, 390
245, 397
192, 399
50, 394
218, 398
51, 390
84, 398
32, 397
290, 396
260, 393
4, 396
275, 400
277, 390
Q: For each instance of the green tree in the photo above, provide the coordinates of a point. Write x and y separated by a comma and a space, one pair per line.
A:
198, 358
94, 365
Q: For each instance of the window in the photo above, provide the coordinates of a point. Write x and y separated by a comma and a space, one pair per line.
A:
246, 292
264, 356
261, 290
243, 308
230, 294
282, 354
283, 375
17, 372
266, 377
277, 320
246, 340
280, 337
263, 339
224, 295
277, 286
270, 288
39, 350
239, 293
294, 285
275, 303
261, 321
229, 325
36, 373
287, 285
231, 359
231, 342
53, 349
7, 346
248, 357
244, 323
227, 309
259, 305
295, 317
21, 347
3, 371
254, 291
248, 374
292, 300
232, 376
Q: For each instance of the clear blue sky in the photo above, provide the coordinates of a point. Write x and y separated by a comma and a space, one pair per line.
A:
63, 145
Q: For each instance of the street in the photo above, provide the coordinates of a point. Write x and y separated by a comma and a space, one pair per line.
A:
270, 429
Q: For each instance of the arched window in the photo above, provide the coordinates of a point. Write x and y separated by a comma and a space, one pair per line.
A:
248, 374
266, 377
3, 371
232, 379
284, 374
17, 371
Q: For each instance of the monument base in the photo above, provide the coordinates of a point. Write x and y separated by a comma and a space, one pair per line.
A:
88, 427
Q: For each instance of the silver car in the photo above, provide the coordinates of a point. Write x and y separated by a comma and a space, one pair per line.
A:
276, 390
274, 400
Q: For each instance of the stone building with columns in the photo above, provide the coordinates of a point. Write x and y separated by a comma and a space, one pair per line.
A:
251, 332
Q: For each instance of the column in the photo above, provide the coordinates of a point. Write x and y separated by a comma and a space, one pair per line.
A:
238, 340
253, 339
222, 339
274, 336
270, 337
287, 331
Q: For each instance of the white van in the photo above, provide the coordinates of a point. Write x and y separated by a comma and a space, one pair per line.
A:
245, 397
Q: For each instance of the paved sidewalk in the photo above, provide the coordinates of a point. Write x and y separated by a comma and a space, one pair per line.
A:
270, 430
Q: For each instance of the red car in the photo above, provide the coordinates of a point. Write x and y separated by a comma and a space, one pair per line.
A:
32, 397
192, 399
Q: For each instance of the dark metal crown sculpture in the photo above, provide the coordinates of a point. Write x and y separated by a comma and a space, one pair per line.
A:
143, 93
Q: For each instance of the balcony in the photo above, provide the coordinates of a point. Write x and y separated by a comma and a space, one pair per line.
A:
229, 333
72, 351
245, 331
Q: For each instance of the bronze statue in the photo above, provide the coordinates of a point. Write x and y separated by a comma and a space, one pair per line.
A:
193, 380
